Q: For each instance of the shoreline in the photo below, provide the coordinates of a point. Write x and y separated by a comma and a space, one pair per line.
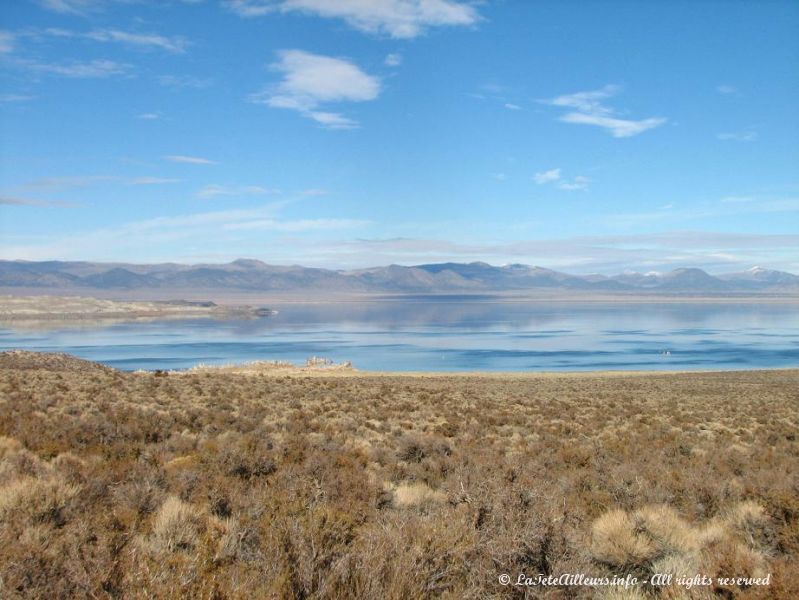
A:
268, 368
236, 297
54, 309
503, 375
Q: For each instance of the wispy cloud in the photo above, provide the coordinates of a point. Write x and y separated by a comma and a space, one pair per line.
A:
619, 128
13, 201
609, 254
297, 226
395, 18
704, 210
214, 190
312, 80
15, 97
738, 136
578, 184
94, 69
151, 116
71, 7
184, 81
62, 183
233, 230
175, 44
85, 181
152, 180
511, 106
314, 192
726, 89
6, 42
189, 160
590, 110
393, 60
547, 176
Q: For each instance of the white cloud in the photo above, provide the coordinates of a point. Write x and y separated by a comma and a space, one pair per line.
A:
589, 110
6, 42
726, 89
547, 176
296, 226
578, 184
152, 116
395, 18
190, 160
13, 201
170, 44
706, 210
74, 7
176, 44
611, 254
393, 60
58, 32
499, 176
235, 230
15, 97
510, 106
95, 69
214, 190
738, 136
184, 81
84, 181
332, 120
617, 127
61, 183
588, 102
152, 180
311, 80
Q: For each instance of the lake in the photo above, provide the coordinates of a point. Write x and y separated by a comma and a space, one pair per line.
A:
419, 334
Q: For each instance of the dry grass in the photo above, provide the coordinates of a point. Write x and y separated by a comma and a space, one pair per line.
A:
275, 485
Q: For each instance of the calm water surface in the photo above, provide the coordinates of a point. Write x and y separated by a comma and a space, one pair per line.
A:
450, 335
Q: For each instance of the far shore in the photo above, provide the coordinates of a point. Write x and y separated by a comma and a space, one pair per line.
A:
77, 308
231, 299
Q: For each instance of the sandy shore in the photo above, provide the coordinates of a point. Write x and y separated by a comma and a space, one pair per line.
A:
278, 369
78, 308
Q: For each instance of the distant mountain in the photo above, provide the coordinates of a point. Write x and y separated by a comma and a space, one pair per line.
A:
688, 280
757, 277
254, 275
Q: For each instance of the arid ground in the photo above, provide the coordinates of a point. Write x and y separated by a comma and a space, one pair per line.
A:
330, 483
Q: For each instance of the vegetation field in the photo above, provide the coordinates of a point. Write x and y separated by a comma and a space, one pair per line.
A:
281, 483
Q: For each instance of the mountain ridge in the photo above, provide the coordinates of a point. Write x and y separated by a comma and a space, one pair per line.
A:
254, 275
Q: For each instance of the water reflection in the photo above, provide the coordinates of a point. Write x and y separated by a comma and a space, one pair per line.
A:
449, 335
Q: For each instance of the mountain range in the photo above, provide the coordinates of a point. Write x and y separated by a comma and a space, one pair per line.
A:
256, 276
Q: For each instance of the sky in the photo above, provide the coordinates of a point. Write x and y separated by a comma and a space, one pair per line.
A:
584, 136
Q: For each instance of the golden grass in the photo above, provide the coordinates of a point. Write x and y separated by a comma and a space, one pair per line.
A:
275, 484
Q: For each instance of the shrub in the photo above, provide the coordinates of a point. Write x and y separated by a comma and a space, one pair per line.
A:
177, 526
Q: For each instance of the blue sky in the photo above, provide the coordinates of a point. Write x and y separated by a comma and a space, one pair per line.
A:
592, 136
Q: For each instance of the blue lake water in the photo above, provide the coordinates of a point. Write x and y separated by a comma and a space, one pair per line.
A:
449, 335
